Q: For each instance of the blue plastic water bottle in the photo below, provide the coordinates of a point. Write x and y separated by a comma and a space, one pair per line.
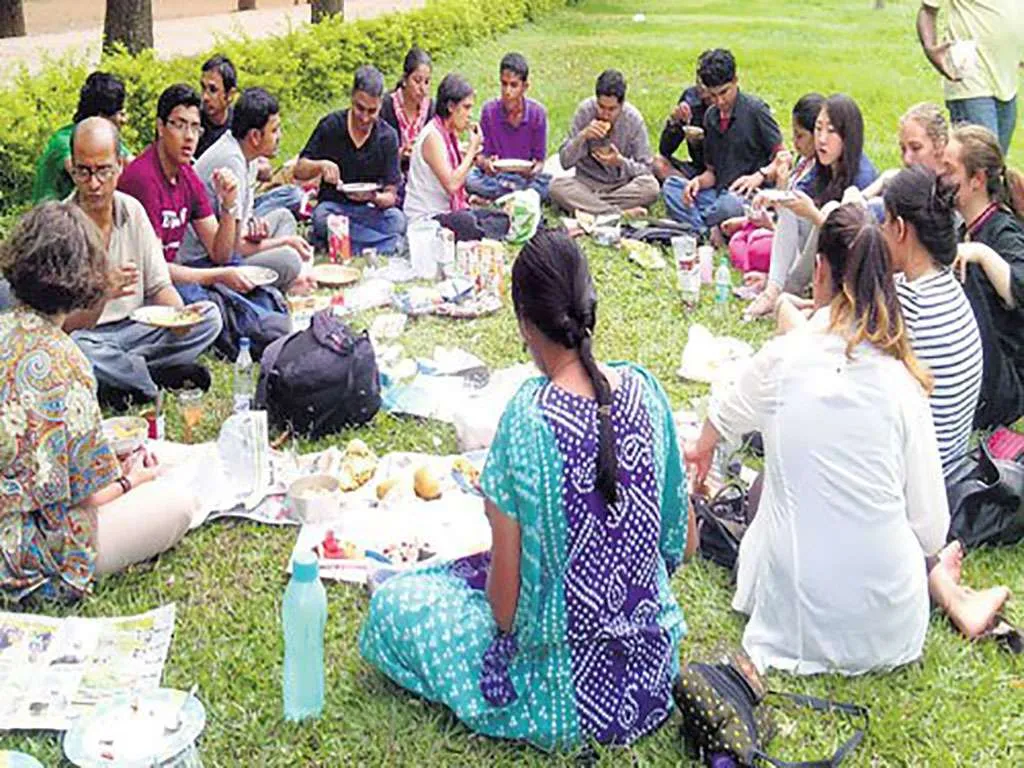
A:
304, 616
723, 286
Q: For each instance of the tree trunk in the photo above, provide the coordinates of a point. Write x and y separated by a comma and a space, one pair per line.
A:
247, 5
321, 9
129, 22
12, 19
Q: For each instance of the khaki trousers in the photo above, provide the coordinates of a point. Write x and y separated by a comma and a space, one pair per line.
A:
574, 194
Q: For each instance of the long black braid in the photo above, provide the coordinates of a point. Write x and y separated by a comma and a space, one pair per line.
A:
552, 288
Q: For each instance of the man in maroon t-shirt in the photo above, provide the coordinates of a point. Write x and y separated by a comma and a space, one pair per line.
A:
162, 179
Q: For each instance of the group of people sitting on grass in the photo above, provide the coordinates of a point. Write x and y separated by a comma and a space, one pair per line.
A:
898, 299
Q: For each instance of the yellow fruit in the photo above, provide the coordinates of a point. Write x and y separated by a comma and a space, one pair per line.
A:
426, 485
467, 469
384, 487
357, 447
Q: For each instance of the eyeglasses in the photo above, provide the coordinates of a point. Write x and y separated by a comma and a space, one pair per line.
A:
103, 174
185, 128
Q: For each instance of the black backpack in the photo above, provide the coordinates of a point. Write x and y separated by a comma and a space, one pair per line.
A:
986, 499
320, 379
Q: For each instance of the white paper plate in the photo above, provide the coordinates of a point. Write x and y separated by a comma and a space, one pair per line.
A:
259, 275
777, 195
167, 317
359, 187
129, 731
335, 274
512, 164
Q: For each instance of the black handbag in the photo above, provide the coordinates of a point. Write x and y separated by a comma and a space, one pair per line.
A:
986, 500
723, 713
721, 523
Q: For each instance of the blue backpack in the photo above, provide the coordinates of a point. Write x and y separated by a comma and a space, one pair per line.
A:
261, 315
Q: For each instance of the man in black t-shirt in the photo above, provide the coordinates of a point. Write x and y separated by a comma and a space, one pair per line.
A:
686, 123
741, 138
219, 85
353, 146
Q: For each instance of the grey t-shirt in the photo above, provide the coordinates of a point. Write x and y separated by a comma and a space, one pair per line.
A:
628, 133
226, 153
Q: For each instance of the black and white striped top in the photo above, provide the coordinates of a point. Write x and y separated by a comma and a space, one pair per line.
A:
944, 335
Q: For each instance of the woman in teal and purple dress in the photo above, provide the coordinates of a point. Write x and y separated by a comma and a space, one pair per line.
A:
567, 631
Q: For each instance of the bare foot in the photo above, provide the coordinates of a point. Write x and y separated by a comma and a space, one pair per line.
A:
716, 238
731, 226
973, 612
756, 280
764, 304
952, 558
637, 212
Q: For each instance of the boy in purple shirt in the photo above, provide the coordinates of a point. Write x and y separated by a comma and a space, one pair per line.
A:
514, 128
162, 179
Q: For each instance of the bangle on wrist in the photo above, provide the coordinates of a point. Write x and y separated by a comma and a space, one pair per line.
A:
125, 483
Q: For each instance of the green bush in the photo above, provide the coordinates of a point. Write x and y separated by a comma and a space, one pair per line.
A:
312, 64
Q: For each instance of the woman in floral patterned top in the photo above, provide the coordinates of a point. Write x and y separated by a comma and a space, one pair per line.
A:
62, 518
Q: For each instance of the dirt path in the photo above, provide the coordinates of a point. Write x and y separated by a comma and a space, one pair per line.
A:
178, 26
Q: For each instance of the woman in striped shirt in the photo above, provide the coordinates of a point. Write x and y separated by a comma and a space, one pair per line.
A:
921, 234
920, 230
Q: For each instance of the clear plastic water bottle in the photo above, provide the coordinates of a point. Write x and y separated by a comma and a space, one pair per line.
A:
244, 383
725, 465
303, 617
723, 286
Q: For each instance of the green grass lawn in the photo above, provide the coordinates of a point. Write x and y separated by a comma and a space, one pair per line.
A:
963, 704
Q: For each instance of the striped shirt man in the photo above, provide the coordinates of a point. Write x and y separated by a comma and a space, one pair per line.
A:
944, 335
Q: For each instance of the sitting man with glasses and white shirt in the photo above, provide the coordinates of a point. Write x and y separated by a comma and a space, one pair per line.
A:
131, 360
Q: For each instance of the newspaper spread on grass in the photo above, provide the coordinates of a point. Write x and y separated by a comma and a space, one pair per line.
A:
56, 670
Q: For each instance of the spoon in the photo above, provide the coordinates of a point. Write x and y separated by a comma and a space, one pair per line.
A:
174, 722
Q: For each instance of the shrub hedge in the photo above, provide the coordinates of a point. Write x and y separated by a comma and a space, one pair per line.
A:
309, 64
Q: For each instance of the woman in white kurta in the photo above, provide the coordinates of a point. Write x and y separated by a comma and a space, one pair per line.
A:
831, 572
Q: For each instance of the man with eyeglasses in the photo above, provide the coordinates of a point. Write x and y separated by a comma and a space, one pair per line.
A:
354, 146
162, 179
219, 86
266, 241
102, 94
131, 360
741, 138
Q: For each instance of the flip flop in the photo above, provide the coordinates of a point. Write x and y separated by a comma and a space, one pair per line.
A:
1006, 634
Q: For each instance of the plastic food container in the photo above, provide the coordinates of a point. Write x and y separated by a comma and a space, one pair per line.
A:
315, 499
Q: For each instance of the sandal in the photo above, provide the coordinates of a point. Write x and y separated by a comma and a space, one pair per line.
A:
1006, 634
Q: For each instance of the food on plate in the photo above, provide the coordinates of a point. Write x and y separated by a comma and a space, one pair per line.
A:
300, 304
353, 467
385, 486
467, 469
167, 317
408, 552
332, 549
427, 486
